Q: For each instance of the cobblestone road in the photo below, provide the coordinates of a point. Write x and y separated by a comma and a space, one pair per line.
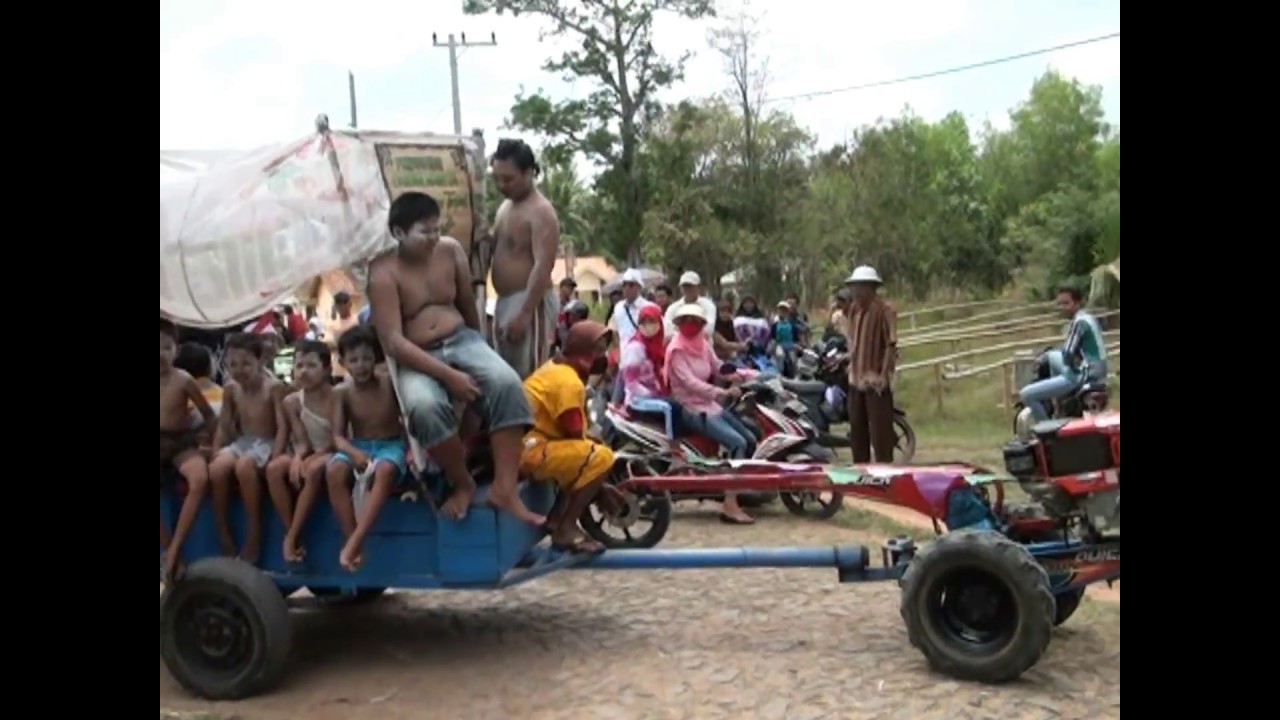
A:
767, 644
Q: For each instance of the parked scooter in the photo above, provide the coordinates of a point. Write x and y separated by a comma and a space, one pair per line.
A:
643, 447
823, 386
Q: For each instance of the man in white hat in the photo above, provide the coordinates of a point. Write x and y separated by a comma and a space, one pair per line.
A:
691, 294
625, 320
873, 353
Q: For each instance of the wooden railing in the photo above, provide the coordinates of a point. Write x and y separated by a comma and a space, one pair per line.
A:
946, 368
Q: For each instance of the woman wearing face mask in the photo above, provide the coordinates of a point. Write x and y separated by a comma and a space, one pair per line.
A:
642, 363
691, 366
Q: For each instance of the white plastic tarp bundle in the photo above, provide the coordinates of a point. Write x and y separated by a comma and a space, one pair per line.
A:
241, 234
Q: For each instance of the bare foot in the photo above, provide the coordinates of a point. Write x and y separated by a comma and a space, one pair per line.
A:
291, 551
351, 557
514, 505
573, 541
251, 550
173, 568
459, 500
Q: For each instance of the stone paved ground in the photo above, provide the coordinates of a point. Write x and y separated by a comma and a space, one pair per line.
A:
767, 644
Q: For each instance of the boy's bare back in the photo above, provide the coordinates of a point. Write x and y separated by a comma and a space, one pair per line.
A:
254, 411
176, 389
372, 410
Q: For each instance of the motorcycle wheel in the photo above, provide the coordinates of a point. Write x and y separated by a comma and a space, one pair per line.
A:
651, 512
904, 439
816, 505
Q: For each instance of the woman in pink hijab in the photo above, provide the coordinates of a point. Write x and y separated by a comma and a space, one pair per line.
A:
691, 366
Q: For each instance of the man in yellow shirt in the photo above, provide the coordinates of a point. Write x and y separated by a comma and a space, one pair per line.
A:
556, 448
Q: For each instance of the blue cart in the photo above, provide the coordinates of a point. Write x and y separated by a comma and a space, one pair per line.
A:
978, 603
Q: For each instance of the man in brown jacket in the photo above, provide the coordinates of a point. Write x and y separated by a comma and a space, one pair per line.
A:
873, 351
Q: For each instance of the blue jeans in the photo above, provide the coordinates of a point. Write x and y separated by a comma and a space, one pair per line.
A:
725, 428
657, 405
427, 406
1061, 382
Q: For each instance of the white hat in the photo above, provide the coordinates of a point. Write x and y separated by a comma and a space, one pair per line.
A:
784, 304
690, 310
632, 275
690, 278
864, 274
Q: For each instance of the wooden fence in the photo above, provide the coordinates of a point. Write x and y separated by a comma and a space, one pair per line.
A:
948, 367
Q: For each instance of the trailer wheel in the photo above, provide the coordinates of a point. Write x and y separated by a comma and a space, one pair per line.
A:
224, 630
978, 606
1066, 604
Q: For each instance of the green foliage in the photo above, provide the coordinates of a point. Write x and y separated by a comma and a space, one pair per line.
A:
615, 51
720, 184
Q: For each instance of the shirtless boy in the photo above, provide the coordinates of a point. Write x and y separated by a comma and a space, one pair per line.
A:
251, 439
310, 412
180, 444
195, 359
527, 232
367, 404
425, 314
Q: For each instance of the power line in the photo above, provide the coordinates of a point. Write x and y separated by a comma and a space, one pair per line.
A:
948, 71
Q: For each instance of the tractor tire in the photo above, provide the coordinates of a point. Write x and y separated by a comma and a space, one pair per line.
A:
978, 606
1066, 604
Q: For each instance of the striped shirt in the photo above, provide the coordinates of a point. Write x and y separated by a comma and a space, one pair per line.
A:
873, 334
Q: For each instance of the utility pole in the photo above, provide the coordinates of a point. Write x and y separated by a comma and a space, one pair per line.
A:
453, 46
351, 93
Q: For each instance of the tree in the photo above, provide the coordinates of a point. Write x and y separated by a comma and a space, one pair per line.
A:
616, 51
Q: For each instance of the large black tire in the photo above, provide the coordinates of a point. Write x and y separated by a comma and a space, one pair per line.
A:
1066, 604
978, 606
816, 505
224, 630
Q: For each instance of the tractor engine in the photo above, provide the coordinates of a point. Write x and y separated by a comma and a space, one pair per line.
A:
1071, 467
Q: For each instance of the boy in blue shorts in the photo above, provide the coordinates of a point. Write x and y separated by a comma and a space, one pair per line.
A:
367, 433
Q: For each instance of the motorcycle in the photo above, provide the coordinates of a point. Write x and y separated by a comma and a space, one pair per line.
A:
823, 386
1091, 396
642, 447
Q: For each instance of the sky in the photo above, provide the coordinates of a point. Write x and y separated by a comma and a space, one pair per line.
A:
237, 74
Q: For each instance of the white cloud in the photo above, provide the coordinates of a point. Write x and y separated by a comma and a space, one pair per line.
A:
1094, 64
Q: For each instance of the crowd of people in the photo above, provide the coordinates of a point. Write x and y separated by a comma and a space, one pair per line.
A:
417, 359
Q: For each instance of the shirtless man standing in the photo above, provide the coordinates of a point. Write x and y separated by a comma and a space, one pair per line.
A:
425, 313
528, 236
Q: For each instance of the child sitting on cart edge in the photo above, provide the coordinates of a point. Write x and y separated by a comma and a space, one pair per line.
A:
310, 413
250, 443
367, 437
424, 309
180, 444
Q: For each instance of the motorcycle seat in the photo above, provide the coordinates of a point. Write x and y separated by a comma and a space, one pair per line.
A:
1090, 388
804, 387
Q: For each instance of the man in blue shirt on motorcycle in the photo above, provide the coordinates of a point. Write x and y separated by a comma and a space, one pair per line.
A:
1082, 358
